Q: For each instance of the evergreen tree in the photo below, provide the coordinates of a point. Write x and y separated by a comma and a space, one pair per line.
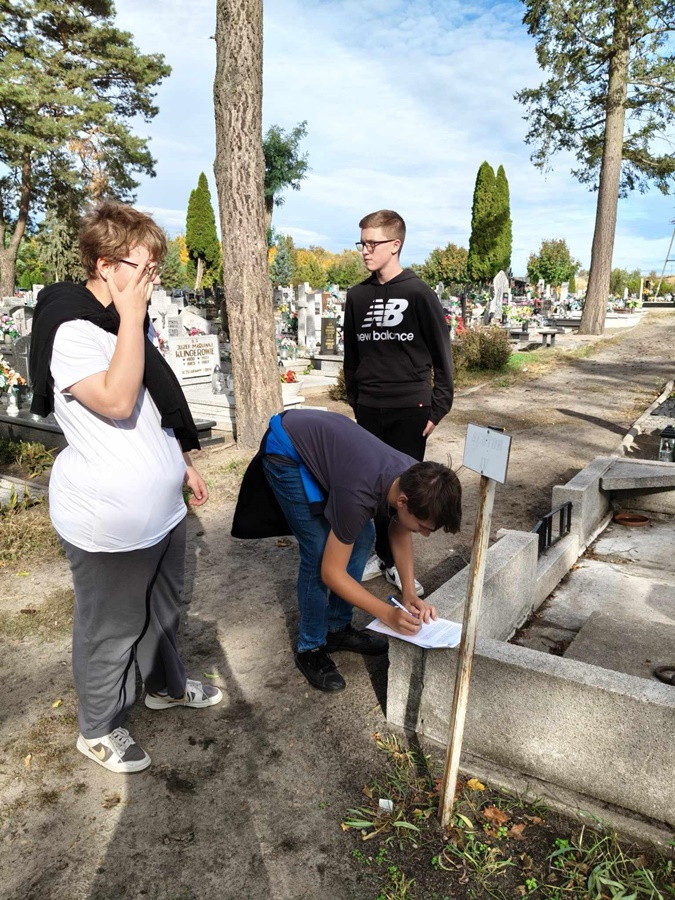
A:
175, 274
503, 223
58, 249
284, 165
609, 100
201, 235
481, 260
281, 270
70, 85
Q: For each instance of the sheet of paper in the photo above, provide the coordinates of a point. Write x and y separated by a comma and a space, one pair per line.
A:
431, 636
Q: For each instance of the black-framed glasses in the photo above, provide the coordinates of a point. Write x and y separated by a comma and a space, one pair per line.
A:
371, 245
152, 271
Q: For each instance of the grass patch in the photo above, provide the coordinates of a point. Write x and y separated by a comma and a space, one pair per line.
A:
28, 457
497, 846
26, 534
51, 620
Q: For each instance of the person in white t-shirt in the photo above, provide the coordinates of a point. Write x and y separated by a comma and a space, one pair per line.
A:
116, 491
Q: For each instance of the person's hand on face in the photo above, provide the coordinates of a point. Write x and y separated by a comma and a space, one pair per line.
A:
131, 292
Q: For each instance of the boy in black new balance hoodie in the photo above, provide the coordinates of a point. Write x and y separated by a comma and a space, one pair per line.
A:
395, 335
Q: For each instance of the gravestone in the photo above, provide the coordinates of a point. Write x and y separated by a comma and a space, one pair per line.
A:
564, 289
310, 324
21, 349
191, 318
329, 336
302, 316
23, 319
193, 359
500, 287
440, 287
173, 327
36, 290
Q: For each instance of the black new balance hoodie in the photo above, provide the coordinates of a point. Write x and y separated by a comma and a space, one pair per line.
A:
395, 334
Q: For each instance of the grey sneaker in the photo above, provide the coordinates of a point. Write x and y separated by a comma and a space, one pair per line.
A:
196, 696
374, 567
393, 577
117, 752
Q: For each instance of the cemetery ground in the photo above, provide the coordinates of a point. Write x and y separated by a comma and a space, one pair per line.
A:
269, 794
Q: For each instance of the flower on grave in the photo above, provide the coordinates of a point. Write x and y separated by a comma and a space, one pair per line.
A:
287, 343
8, 326
289, 377
8, 377
194, 331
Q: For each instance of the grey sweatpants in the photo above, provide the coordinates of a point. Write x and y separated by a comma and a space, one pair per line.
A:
126, 609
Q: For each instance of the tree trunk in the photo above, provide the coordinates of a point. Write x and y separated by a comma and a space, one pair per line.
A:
240, 177
269, 209
200, 273
597, 293
8, 270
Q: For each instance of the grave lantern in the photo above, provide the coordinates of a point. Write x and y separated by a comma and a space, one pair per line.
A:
667, 445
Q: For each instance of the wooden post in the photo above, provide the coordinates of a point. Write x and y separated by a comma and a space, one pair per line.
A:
466, 648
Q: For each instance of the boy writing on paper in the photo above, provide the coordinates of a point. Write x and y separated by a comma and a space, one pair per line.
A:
321, 477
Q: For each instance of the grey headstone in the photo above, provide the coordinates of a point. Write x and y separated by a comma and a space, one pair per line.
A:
564, 290
500, 286
173, 326
21, 349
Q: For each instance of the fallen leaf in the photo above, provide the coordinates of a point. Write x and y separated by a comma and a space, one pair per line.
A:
210, 675
534, 819
27, 759
28, 612
283, 542
527, 861
474, 785
495, 815
522, 890
516, 832
57, 703
110, 801
23, 574
344, 827
367, 791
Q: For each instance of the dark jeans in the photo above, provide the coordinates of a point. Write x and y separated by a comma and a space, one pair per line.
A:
401, 429
321, 610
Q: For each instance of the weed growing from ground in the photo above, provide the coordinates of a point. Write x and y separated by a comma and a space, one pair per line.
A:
497, 846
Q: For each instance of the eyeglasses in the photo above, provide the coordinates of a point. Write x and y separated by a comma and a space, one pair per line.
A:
151, 271
371, 245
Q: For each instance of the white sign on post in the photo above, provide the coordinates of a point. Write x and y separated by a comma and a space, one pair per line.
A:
486, 451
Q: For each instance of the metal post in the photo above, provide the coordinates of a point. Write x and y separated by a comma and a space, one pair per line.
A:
467, 645
667, 260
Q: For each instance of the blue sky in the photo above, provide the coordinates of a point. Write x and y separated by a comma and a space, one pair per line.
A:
404, 99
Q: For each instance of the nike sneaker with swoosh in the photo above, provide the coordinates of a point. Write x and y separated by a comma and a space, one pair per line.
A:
117, 752
196, 696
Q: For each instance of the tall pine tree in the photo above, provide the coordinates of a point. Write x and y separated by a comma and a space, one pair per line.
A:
504, 227
201, 236
482, 256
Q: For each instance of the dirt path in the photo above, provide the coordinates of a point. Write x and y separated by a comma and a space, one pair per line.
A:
245, 800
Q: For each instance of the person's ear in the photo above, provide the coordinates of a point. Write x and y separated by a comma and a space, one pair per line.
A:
401, 501
104, 268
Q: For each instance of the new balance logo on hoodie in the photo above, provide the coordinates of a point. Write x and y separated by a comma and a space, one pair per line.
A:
383, 314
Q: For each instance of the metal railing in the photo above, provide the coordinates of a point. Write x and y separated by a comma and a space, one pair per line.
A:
544, 527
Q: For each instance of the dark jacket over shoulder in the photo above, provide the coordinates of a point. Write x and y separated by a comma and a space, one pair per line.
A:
395, 335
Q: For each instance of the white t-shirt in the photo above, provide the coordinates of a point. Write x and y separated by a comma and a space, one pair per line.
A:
118, 484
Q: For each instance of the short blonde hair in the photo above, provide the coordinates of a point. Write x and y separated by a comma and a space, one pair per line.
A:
110, 230
388, 220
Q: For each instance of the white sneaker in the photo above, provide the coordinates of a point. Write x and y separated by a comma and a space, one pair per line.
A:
393, 578
117, 752
374, 567
196, 696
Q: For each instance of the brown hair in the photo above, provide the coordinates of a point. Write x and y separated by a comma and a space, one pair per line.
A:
434, 495
110, 230
388, 220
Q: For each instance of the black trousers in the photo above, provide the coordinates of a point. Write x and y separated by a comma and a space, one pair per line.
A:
401, 429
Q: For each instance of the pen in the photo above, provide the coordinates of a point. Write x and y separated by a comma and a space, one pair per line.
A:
400, 605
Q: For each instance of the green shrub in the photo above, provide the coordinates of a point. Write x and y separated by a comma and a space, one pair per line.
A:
466, 350
495, 347
32, 457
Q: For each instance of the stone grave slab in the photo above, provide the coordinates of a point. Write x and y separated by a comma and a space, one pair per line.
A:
624, 643
623, 475
193, 359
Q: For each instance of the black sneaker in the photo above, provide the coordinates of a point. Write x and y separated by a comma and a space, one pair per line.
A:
320, 670
364, 642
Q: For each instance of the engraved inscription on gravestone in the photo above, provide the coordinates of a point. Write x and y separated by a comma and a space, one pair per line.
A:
21, 350
329, 337
173, 326
193, 359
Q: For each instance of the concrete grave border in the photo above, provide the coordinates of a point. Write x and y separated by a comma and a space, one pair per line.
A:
565, 724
